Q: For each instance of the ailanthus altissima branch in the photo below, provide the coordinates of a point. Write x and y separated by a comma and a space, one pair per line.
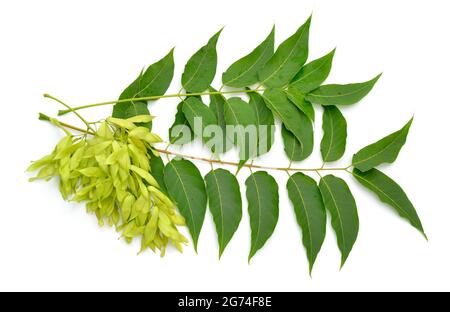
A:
115, 167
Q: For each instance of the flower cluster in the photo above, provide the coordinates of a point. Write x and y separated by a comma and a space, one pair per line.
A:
110, 171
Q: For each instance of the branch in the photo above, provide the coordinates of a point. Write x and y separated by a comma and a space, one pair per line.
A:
229, 163
213, 161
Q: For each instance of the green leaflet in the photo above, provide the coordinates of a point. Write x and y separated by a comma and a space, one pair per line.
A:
313, 74
340, 203
217, 104
336, 94
294, 120
131, 109
196, 111
200, 70
186, 188
287, 60
310, 212
383, 151
244, 72
262, 197
298, 99
180, 132
157, 171
153, 82
334, 126
390, 193
225, 203
292, 146
239, 113
264, 117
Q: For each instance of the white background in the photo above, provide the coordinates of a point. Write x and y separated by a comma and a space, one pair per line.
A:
88, 51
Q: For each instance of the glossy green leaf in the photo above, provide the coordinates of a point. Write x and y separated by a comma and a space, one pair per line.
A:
225, 203
265, 122
152, 82
196, 111
262, 197
244, 72
287, 60
294, 120
292, 146
313, 74
239, 113
337, 94
390, 193
334, 126
180, 132
200, 70
157, 170
340, 203
187, 189
217, 103
298, 99
310, 212
385, 150
131, 109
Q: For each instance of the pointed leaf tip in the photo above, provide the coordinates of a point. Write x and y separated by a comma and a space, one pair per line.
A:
390, 193
385, 150
200, 69
310, 213
289, 57
263, 201
339, 201
244, 72
341, 94
225, 204
186, 188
